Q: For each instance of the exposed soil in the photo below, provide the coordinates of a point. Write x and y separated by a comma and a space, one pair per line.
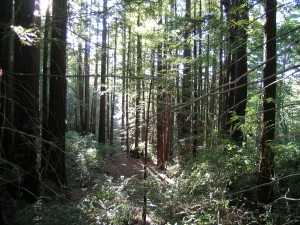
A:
87, 179
121, 166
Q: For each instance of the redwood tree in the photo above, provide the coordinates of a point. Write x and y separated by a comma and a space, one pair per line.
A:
266, 167
5, 78
54, 167
138, 89
236, 66
160, 108
102, 123
26, 107
45, 85
81, 88
87, 86
184, 117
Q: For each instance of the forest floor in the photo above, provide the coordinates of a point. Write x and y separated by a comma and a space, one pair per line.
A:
110, 191
121, 166
105, 186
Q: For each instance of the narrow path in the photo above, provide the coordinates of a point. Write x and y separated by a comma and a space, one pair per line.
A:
121, 166
87, 180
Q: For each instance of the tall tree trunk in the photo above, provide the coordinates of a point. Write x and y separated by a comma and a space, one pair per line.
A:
6, 88
87, 86
123, 86
195, 87
93, 121
81, 88
102, 124
201, 92
154, 123
159, 104
113, 102
240, 93
211, 119
143, 128
55, 169
266, 167
206, 84
237, 11
184, 115
138, 90
221, 121
127, 92
108, 100
26, 97
45, 91
228, 75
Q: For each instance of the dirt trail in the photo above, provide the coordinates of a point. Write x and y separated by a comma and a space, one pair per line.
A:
118, 167
121, 166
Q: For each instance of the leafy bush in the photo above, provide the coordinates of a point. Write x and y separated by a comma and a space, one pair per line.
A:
55, 214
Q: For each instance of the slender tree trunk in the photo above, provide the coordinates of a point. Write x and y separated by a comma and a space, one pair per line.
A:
102, 124
154, 123
206, 86
201, 92
177, 88
221, 78
184, 115
266, 168
93, 120
26, 111
123, 86
195, 88
111, 136
81, 88
211, 119
95, 90
87, 86
108, 99
143, 128
138, 91
45, 109
127, 93
159, 104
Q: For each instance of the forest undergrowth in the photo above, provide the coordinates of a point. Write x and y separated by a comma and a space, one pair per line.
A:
105, 186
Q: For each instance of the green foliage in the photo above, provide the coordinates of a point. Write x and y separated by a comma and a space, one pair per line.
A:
27, 36
86, 159
56, 214
107, 205
204, 185
288, 163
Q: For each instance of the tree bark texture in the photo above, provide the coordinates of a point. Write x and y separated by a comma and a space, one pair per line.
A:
139, 65
81, 88
87, 86
185, 125
102, 123
45, 91
26, 107
55, 169
6, 89
236, 58
266, 168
